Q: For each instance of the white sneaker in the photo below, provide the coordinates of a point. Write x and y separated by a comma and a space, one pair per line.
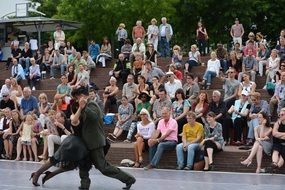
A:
264, 88
34, 88
51, 78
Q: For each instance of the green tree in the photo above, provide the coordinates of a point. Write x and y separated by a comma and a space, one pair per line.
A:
100, 18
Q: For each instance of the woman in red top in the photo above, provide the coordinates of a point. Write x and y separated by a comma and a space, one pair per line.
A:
202, 37
201, 107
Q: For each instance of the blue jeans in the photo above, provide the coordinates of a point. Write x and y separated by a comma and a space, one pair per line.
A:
252, 124
62, 69
190, 154
224, 64
132, 130
208, 77
164, 47
156, 151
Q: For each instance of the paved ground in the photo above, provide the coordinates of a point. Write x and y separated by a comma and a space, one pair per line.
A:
15, 175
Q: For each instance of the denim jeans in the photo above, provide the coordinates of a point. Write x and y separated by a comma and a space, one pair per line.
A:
252, 124
132, 130
156, 151
208, 77
62, 69
164, 47
224, 64
190, 154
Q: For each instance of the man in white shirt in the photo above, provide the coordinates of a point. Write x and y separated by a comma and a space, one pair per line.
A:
172, 85
165, 34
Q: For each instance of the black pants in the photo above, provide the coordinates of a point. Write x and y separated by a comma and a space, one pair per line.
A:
97, 157
227, 125
210, 144
239, 125
1, 146
32, 82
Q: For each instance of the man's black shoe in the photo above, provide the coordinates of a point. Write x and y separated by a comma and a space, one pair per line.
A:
129, 184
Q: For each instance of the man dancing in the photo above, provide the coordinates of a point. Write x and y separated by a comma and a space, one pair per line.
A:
90, 117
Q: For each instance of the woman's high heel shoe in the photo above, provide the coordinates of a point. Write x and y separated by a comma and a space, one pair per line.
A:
34, 178
140, 160
245, 163
46, 177
137, 165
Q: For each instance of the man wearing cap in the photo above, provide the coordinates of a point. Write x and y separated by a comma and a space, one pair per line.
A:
90, 117
172, 85
58, 62
6, 102
237, 32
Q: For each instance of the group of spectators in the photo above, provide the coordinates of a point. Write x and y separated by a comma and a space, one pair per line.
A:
161, 110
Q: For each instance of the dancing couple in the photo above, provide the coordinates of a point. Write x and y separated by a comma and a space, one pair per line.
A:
85, 147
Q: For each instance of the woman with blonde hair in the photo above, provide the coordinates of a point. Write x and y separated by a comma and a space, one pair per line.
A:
44, 107
109, 96
145, 129
213, 70
177, 56
122, 35
194, 58
152, 33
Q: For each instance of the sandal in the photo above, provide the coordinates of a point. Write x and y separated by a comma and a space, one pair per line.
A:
137, 165
140, 159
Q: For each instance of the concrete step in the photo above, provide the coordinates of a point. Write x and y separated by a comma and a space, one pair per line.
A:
227, 160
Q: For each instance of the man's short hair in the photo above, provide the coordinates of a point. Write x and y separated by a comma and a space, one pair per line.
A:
81, 90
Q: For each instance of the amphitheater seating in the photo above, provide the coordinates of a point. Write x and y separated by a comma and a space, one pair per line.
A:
227, 160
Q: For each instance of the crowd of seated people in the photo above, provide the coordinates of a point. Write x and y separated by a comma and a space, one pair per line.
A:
161, 109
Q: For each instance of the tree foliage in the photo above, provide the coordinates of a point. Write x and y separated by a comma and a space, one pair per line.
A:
100, 18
